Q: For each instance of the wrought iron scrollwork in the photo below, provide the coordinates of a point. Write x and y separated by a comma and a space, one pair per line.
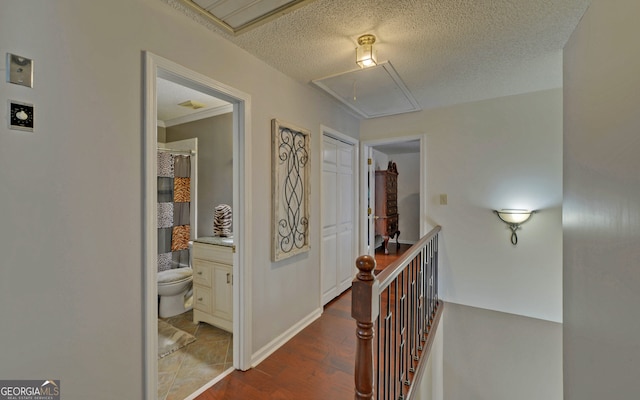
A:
293, 226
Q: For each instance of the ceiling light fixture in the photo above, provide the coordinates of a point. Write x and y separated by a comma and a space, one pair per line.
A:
514, 218
365, 55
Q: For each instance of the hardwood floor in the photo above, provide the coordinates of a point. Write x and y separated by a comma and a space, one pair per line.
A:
317, 363
383, 260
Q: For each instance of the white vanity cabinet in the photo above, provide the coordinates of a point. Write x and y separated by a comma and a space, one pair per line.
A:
213, 285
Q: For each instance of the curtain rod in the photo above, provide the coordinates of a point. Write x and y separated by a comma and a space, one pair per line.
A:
189, 152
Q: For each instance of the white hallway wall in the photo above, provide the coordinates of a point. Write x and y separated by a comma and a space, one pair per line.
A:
408, 195
71, 236
491, 355
602, 204
497, 153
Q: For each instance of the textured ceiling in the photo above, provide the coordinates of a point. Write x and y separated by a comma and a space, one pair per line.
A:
445, 51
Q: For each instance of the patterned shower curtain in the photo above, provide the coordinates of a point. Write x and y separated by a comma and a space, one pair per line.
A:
174, 204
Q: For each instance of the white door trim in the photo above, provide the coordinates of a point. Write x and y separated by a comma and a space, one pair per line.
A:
332, 133
368, 202
366, 147
156, 66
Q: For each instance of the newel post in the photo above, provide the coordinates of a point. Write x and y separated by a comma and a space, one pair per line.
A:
364, 309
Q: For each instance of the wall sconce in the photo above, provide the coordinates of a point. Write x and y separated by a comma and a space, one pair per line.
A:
514, 218
365, 56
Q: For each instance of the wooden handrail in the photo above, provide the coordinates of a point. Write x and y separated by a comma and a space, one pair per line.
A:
402, 302
393, 270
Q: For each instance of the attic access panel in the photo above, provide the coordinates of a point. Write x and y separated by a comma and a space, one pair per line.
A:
371, 92
238, 16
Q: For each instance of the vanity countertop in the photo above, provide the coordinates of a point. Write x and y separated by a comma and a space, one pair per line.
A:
217, 240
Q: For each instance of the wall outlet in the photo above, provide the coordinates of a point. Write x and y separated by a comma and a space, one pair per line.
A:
443, 199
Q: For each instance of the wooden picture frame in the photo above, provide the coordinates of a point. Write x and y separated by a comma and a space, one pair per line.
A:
290, 190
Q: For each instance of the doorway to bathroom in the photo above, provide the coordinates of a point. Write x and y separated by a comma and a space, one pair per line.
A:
229, 107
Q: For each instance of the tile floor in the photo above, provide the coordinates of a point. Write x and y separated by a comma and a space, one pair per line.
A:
184, 371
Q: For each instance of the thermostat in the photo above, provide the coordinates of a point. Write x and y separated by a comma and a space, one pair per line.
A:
20, 116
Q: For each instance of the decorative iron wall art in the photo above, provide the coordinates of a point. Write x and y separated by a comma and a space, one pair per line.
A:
290, 190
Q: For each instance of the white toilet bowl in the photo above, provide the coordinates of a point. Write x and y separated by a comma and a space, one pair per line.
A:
174, 289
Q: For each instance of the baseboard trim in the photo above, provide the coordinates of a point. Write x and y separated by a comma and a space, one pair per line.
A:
260, 355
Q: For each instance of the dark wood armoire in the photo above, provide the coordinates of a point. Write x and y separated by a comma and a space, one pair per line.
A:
386, 208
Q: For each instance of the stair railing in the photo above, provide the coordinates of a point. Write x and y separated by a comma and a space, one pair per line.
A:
401, 304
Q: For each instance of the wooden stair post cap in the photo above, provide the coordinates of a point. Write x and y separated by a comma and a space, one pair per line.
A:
365, 264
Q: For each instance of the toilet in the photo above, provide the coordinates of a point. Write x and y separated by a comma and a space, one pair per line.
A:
175, 291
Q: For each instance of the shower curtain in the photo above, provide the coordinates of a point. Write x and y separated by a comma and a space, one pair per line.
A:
174, 207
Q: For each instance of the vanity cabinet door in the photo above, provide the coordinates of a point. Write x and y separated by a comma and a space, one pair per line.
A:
223, 292
213, 285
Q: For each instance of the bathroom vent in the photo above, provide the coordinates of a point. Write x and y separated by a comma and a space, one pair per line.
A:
192, 104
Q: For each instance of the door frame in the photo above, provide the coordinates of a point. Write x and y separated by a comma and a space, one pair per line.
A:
155, 66
366, 148
332, 133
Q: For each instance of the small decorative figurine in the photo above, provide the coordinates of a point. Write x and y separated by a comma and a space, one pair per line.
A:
222, 220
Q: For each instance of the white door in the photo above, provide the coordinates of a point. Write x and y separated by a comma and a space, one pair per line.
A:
338, 217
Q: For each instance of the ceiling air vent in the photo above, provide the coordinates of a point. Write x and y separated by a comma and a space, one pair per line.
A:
239, 16
192, 104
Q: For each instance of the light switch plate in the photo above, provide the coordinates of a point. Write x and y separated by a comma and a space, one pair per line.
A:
19, 70
20, 116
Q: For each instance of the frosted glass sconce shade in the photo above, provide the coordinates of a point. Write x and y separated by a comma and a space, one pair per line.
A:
514, 218
365, 55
